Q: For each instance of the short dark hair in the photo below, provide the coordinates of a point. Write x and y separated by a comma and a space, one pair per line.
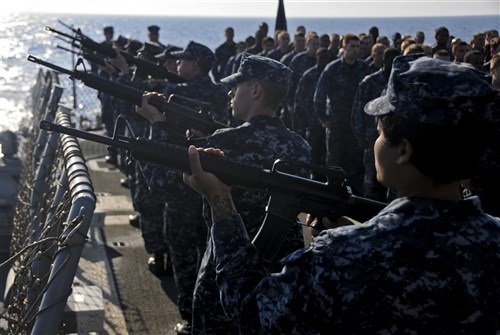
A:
268, 39
273, 93
348, 38
441, 29
468, 56
442, 53
444, 153
414, 49
205, 66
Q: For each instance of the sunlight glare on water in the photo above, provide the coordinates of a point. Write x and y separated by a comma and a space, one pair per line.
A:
24, 34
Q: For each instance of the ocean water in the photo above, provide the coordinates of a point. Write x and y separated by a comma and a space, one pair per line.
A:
24, 34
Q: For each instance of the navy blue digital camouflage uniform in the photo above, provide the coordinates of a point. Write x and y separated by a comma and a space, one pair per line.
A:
235, 64
364, 128
276, 54
107, 111
486, 182
421, 266
339, 83
299, 64
222, 54
185, 240
315, 133
149, 205
287, 58
283, 111
228, 69
259, 141
150, 208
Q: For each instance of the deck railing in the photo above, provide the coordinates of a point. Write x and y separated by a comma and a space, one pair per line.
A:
53, 215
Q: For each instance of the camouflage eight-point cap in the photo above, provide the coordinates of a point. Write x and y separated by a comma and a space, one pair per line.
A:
262, 68
196, 51
434, 91
153, 29
167, 53
151, 49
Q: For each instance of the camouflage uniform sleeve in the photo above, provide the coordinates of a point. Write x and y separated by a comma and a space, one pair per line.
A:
163, 182
357, 115
257, 302
302, 99
320, 94
121, 106
301, 94
294, 79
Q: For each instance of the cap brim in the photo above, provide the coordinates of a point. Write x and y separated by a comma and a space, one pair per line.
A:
379, 106
177, 54
234, 79
161, 55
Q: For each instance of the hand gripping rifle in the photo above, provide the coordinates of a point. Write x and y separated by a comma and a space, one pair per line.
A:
290, 194
147, 67
182, 116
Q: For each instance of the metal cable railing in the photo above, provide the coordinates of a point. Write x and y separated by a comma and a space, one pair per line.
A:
54, 210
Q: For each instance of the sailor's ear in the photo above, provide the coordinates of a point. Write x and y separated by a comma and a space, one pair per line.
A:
405, 151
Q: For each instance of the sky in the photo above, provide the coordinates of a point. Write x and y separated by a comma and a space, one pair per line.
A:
260, 8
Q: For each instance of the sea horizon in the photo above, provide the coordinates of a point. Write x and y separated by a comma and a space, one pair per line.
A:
257, 17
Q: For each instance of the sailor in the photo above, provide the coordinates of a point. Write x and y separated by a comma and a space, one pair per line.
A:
154, 36
426, 263
257, 89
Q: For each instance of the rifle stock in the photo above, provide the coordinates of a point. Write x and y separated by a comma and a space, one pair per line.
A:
294, 194
147, 67
188, 118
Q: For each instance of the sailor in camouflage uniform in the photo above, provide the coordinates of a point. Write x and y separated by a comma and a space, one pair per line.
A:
199, 86
299, 64
107, 111
364, 126
150, 208
303, 105
257, 88
185, 241
486, 182
426, 264
339, 83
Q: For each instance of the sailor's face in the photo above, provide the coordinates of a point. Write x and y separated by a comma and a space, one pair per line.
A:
385, 160
171, 65
240, 98
352, 49
185, 68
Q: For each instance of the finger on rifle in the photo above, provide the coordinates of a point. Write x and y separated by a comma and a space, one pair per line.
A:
194, 160
310, 219
339, 222
145, 97
212, 151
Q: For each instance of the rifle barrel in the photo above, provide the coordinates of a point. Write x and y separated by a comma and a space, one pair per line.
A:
49, 65
52, 30
294, 193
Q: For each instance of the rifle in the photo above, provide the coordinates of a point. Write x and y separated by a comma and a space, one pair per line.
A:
147, 67
76, 31
184, 116
290, 194
93, 58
